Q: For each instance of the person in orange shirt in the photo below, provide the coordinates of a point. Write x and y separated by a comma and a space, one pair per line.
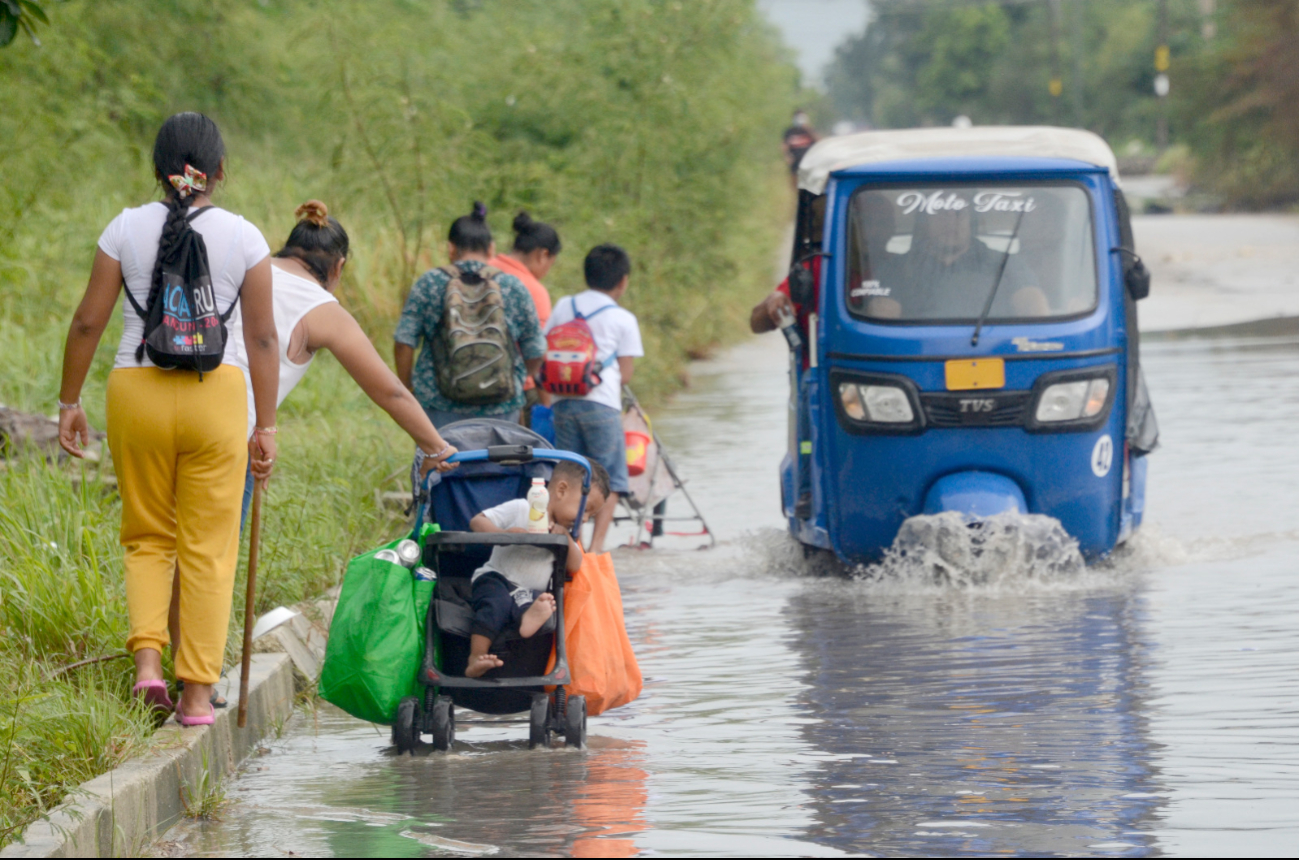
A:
536, 245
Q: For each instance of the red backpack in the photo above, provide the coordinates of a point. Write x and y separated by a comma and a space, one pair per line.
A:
572, 367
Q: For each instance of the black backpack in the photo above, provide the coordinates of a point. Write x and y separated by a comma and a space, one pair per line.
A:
182, 328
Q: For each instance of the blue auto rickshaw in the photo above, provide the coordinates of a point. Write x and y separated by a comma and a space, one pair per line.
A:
971, 345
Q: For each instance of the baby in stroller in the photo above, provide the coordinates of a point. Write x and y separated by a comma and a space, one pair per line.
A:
511, 586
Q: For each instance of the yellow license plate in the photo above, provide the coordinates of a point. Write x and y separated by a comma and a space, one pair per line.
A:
967, 374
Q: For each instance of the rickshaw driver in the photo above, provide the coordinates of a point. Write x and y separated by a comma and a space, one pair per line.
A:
766, 314
948, 274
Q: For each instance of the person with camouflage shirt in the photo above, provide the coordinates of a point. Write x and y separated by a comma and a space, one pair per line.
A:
470, 246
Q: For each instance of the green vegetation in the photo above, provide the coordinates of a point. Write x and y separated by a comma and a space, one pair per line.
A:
206, 798
21, 15
1231, 116
925, 63
653, 124
1240, 105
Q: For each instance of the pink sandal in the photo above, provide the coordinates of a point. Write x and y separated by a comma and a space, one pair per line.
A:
154, 694
189, 722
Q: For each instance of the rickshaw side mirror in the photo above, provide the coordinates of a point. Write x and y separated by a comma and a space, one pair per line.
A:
800, 285
1136, 277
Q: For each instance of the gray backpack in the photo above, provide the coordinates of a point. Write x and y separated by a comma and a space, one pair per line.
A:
473, 350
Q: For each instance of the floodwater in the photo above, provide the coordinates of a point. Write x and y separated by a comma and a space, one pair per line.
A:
1147, 706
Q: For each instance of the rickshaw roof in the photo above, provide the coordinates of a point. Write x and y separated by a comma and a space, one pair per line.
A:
875, 147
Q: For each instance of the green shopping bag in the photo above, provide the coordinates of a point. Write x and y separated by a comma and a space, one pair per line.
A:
376, 638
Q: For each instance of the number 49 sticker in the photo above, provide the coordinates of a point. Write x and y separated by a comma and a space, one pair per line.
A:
1103, 456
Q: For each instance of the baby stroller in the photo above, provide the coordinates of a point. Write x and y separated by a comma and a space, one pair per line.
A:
498, 461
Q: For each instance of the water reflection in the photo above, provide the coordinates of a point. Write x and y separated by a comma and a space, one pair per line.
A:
338, 791
1143, 707
976, 723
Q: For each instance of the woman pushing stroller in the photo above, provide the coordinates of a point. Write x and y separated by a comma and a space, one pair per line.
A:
308, 318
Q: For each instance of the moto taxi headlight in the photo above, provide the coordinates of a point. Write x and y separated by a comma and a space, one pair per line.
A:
850, 396
887, 404
1064, 401
1097, 392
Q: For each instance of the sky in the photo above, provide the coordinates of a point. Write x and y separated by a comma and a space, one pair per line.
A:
813, 28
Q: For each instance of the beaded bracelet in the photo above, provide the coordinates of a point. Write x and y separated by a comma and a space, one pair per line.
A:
64, 407
428, 456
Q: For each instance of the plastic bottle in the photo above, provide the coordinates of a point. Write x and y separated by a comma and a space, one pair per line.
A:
538, 508
789, 328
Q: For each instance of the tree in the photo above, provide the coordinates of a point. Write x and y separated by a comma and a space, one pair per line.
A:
922, 62
1240, 101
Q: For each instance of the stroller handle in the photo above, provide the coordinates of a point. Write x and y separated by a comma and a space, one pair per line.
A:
525, 454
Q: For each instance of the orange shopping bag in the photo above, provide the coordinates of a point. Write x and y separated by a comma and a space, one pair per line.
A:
600, 659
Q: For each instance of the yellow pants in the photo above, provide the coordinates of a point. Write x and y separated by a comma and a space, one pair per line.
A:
180, 452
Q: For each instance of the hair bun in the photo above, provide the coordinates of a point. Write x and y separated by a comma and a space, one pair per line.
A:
314, 212
523, 222
480, 211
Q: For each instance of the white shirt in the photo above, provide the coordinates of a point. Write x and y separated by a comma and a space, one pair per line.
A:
293, 297
616, 333
233, 247
524, 566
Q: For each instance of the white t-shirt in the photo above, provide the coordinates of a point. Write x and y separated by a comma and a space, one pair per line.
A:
233, 247
293, 298
616, 333
524, 566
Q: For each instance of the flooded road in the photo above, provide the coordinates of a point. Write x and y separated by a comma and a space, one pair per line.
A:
1146, 706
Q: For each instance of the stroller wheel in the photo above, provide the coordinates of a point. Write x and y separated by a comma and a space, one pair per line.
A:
538, 721
444, 723
404, 734
575, 722
660, 511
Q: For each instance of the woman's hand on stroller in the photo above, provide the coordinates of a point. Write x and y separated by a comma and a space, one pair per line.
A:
438, 461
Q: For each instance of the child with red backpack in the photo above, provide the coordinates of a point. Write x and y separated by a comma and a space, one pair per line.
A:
591, 345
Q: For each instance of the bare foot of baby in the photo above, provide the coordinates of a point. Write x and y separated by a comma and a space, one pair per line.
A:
535, 616
481, 664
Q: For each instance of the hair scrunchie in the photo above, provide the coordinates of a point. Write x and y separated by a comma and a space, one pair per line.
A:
192, 182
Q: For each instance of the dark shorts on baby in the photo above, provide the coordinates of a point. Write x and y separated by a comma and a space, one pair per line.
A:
497, 604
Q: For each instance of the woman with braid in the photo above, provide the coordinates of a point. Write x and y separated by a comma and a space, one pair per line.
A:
308, 318
180, 439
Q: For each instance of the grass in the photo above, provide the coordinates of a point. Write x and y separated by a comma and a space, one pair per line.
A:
651, 123
62, 598
206, 797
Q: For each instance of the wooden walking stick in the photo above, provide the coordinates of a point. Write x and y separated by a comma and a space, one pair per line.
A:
254, 539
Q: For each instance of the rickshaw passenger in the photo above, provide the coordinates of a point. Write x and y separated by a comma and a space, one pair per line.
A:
948, 274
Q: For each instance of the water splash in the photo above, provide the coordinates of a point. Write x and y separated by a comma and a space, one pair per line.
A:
942, 552
947, 551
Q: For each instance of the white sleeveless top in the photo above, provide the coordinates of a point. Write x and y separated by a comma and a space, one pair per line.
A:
294, 297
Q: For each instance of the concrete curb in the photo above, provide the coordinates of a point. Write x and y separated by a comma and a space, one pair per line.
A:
121, 812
